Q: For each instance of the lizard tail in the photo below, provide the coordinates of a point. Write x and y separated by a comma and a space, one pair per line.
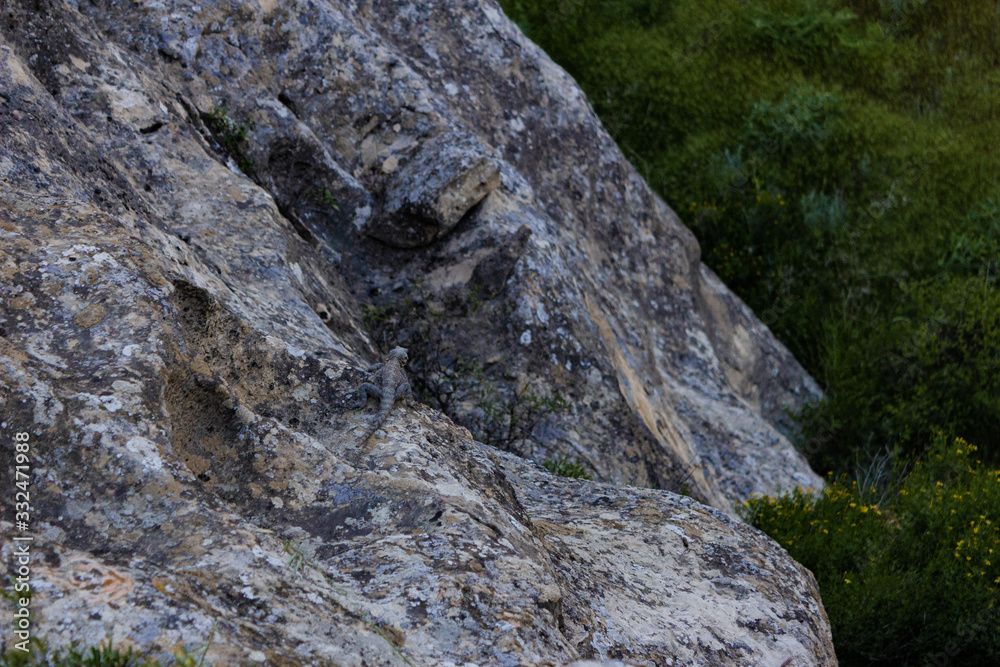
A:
380, 418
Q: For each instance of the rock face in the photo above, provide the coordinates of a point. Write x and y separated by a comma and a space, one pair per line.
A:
211, 214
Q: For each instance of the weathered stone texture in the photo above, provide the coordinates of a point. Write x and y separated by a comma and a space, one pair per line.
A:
211, 214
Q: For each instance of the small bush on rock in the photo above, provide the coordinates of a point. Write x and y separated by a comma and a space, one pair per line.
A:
563, 465
233, 137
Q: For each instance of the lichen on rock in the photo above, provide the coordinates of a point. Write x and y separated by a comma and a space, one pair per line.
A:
181, 337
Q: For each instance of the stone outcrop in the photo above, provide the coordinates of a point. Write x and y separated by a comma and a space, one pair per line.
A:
439, 185
212, 214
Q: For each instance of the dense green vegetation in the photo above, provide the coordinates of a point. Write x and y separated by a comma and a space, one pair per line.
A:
913, 579
838, 162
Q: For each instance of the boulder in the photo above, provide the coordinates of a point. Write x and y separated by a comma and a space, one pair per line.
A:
212, 215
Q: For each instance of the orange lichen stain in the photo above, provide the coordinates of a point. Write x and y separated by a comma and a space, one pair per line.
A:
92, 578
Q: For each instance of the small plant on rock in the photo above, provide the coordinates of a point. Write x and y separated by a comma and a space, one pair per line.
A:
233, 137
560, 464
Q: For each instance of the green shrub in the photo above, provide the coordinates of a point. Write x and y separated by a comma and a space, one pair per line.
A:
817, 32
934, 365
915, 578
976, 249
563, 465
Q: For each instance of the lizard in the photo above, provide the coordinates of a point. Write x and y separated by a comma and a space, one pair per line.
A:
387, 384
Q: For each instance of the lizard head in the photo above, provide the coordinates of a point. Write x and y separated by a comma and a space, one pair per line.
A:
399, 353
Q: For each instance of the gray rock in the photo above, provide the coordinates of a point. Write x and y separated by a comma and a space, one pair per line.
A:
185, 303
434, 190
394, 124
640, 558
